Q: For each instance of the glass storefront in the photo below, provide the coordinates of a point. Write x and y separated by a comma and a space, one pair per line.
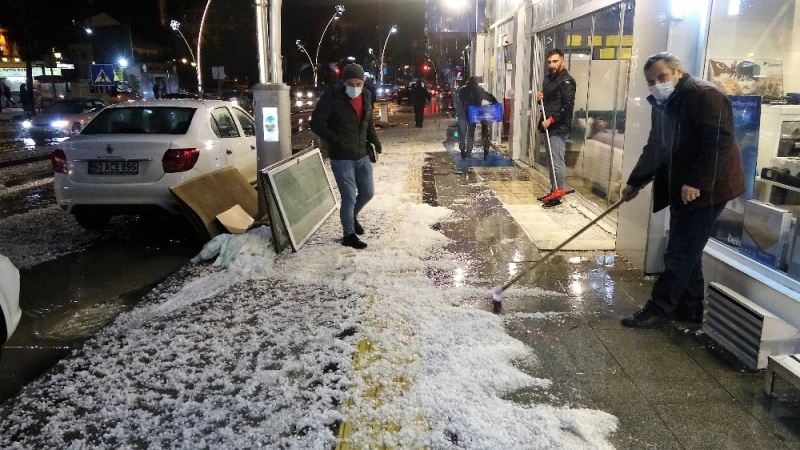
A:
597, 50
753, 51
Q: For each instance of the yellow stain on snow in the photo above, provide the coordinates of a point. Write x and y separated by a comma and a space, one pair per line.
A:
363, 429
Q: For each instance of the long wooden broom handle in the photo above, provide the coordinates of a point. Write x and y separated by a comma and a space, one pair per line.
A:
547, 255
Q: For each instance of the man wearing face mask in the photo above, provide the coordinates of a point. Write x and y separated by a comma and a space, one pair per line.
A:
343, 119
694, 162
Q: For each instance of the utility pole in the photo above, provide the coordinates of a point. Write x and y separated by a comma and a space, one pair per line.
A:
270, 95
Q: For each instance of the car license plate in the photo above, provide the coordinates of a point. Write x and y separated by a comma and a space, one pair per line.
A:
113, 167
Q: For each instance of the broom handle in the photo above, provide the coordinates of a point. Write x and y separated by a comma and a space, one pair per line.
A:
547, 255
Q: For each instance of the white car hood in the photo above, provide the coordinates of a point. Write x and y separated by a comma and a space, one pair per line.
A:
9, 295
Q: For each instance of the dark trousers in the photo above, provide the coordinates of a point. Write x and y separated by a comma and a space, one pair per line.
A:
466, 137
681, 284
419, 115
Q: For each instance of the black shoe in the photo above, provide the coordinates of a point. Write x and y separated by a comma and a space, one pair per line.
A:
551, 203
650, 316
352, 240
358, 227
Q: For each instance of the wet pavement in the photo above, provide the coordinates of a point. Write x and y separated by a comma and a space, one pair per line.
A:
669, 387
67, 300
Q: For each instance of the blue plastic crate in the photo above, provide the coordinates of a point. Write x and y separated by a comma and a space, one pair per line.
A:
488, 113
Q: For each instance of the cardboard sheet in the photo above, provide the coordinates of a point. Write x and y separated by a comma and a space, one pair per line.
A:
206, 196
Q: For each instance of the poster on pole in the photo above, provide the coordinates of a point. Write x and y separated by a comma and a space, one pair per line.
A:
269, 117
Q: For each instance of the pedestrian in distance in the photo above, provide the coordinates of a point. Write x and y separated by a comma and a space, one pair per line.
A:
558, 99
419, 98
471, 94
7, 94
156, 90
694, 162
343, 119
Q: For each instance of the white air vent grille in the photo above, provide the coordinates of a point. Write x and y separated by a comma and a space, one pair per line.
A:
745, 329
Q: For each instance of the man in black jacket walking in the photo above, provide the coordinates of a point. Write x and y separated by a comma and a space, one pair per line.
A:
343, 119
694, 162
419, 98
558, 97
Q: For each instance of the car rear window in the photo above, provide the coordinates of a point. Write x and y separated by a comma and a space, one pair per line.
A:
141, 120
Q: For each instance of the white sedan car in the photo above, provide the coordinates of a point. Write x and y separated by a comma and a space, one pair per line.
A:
9, 298
127, 158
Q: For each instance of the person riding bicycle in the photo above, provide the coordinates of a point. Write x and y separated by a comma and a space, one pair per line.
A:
471, 94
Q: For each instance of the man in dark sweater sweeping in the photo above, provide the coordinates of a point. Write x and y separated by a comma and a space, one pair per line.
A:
693, 160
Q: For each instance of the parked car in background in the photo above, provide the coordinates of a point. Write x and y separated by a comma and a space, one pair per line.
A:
384, 91
303, 98
127, 158
9, 299
62, 119
240, 98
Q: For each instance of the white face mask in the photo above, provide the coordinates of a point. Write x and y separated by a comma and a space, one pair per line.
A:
353, 91
662, 91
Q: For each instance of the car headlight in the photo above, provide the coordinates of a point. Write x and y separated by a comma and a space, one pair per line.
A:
298, 94
59, 123
298, 103
26, 124
310, 94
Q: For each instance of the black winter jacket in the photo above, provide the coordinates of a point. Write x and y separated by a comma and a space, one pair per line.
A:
334, 120
471, 95
691, 142
559, 101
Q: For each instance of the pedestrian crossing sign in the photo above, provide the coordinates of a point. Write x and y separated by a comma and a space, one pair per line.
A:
102, 74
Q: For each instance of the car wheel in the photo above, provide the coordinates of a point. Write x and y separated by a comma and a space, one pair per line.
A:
92, 220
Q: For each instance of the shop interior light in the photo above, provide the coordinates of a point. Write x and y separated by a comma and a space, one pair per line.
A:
733, 7
678, 9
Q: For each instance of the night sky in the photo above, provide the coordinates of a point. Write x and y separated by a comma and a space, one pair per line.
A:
229, 36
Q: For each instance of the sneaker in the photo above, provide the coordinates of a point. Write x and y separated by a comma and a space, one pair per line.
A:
352, 240
551, 203
358, 227
650, 316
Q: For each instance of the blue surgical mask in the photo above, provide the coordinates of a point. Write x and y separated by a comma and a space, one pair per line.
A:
353, 91
662, 91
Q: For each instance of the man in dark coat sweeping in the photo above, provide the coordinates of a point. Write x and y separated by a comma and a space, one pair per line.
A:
694, 162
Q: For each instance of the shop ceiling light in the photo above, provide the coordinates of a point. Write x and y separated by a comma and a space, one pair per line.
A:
733, 7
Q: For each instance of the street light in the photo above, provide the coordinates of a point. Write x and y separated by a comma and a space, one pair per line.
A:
200, 41
391, 31
176, 26
302, 48
339, 10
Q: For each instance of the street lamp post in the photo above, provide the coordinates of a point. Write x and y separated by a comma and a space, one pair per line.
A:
391, 31
176, 26
336, 15
199, 42
302, 48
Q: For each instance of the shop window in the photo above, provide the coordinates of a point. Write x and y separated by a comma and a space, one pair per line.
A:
751, 54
